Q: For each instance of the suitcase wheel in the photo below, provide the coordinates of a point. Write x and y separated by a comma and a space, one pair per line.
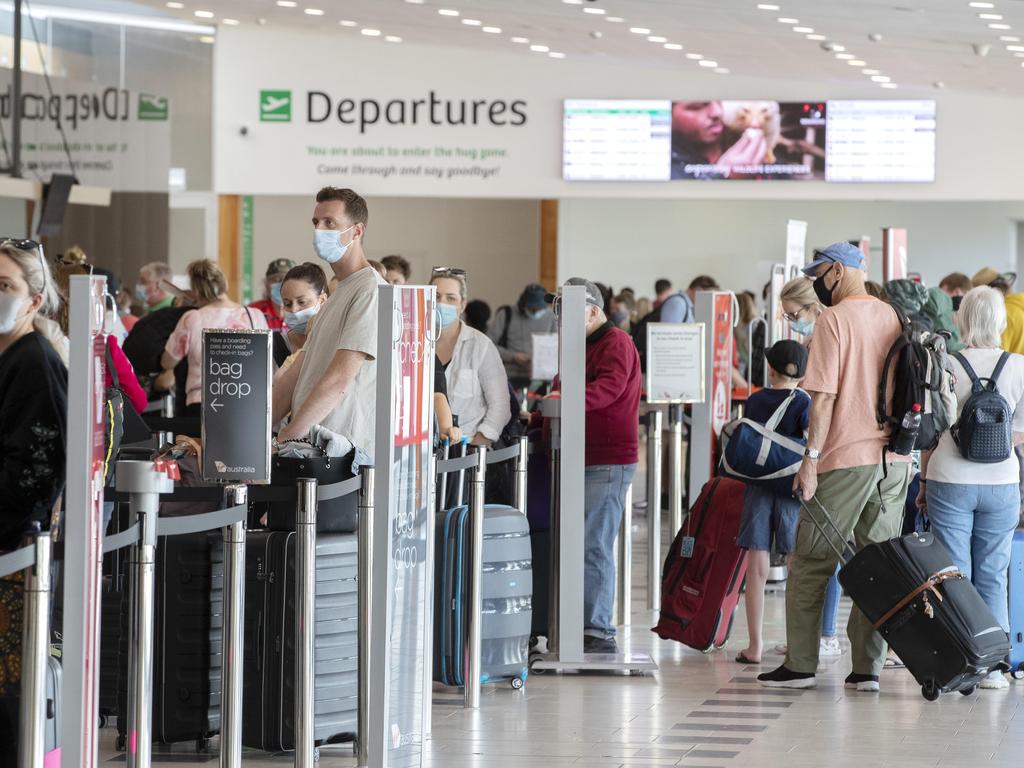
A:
930, 690
517, 683
967, 691
1018, 673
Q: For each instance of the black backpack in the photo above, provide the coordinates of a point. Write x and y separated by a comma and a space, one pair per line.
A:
919, 377
984, 432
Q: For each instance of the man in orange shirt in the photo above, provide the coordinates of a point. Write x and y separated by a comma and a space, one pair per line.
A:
843, 464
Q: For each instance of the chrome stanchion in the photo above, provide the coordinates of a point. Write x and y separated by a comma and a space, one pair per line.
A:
144, 484
476, 513
624, 607
675, 468
520, 473
441, 483
305, 618
554, 561
460, 488
35, 648
233, 638
654, 510
429, 526
365, 586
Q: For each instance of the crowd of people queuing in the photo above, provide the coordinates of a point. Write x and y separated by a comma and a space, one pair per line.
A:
323, 313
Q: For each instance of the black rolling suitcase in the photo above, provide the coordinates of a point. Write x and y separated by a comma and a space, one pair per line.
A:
925, 609
187, 639
268, 696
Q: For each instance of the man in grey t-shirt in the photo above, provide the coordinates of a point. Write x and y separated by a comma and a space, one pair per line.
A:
333, 382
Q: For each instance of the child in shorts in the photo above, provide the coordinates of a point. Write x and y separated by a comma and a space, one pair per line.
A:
768, 515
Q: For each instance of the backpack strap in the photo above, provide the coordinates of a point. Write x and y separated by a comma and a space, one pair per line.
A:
976, 385
776, 418
882, 417
503, 339
997, 370
248, 314
111, 368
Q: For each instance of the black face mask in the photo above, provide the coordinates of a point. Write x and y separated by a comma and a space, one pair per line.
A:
824, 294
956, 303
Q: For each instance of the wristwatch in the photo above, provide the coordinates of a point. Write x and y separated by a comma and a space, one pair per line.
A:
812, 453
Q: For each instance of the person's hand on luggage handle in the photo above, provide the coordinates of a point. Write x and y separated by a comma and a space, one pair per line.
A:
453, 435
921, 502
805, 484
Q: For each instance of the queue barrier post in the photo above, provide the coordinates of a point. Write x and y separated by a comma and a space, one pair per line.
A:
233, 638
305, 619
35, 644
442, 490
624, 602
460, 488
473, 630
549, 408
675, 467
520, 474
365, 587
654, 510
429, 530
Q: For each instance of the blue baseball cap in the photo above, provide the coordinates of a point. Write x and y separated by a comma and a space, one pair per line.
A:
837, 253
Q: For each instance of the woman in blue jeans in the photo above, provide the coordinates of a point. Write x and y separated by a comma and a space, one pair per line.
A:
974, 507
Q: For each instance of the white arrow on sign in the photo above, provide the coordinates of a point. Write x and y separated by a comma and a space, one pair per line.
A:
216, 404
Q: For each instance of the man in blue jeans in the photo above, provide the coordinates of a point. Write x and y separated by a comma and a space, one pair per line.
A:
612, 407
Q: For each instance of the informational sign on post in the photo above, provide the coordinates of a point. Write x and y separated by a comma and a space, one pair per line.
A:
894, 253
406, 333
675, 363
544, 357
777, 325
236, 406
796, 247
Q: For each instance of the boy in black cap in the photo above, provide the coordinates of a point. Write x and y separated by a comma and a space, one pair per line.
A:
766, 514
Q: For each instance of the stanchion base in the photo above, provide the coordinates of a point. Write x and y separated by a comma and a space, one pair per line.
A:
633, 663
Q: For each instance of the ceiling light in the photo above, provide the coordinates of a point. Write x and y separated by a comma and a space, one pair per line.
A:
816, 37
999, 26
767, 7
694, 56
472, 22
640, 30
446, 12
889, 85
803, 30
573, 2
230, 22
520, 39
837, 48
707, 63
721, 71
1009, 38
556, 55
881, 78
982, 5
991, 16
787, 20
539, 48
348, 23
414, 2
614, 19
287, 3
392, 39
492, 30
869, 71
1019, 55
856, 63
1015, 47
313, 12
673, 47
175, 6
204, 14
656, 39
845, 56
595, 11
370, 32
208, 39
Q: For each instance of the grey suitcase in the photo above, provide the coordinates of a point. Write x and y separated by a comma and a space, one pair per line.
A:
507, 596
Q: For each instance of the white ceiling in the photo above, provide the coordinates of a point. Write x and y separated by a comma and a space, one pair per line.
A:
923, 42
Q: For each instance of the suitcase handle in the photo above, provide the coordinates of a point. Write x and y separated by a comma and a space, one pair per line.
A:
827, 536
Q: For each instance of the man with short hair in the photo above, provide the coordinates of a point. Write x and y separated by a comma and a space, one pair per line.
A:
272, 305
398, 270
149, 290
678, 308
611, 441
956, 284
662, 290
846, 472
512, 333
333, 384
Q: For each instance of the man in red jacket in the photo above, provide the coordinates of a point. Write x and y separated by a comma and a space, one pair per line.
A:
613, 383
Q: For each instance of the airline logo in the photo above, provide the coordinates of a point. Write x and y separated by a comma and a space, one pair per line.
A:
153, 107
275, 106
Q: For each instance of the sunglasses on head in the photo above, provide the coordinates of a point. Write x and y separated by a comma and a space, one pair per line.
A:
447, 271
20, 243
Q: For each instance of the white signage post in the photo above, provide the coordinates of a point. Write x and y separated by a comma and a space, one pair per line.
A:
796, 247
400, 613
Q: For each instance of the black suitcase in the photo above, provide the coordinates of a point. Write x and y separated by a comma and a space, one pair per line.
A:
268, 707
925, 609
187, 636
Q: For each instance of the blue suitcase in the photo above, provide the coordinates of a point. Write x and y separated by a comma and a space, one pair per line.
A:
1017, 605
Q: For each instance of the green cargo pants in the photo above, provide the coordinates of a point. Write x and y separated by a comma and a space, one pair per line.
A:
852, 499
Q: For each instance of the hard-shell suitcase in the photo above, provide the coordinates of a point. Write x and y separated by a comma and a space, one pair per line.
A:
269, 666
704, 570
1017, 605
507, 590
187, 636
921, 604
51, 735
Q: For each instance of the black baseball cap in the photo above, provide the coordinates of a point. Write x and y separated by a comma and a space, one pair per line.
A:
787, 357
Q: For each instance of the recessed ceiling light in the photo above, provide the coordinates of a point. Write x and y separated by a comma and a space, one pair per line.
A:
694, 56
673, 47
804, 30
414, 2
370, 32
1015, 47
204, 14
845, 56
999, 26
556, 55
348, 23
721, 70
869, 71
287, 3
539, 48
208, 39
991, 16
982, 5
889, 85
787, 20
1019, 55
472, 22
230, 22
573, 2
640, 30
392, 38
708, 63
656, 39
492, 30
595, 11
767, 7
816, 37
614, 19
520, 39
175, 6
447, 12
313, 12
1009, 38
837, 48
856, 63
881, 78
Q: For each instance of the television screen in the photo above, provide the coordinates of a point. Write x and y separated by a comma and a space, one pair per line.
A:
659, 140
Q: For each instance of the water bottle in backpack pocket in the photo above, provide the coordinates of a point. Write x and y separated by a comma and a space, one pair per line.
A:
984, 432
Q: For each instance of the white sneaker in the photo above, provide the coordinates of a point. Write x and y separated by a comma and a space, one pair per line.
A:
996, 681
829, 646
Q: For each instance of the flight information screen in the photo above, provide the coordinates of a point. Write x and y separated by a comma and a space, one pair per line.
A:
617, 140
880, 141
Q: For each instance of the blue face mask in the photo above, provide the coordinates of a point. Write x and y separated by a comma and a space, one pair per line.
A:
298, 321
327, 244
449, 314
802, 327
140, 294
275, 294
537, 314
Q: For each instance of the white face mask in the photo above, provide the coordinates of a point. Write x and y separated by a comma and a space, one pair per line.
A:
298, 321
10, 311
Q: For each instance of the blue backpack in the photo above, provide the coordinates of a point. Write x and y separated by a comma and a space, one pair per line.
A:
758, 455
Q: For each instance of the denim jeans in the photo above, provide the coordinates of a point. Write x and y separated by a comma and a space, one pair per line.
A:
604, 499
830, 610
976, 524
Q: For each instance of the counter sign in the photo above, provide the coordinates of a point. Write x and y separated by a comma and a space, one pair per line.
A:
236, 406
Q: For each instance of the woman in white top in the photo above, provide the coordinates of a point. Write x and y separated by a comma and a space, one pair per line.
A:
213, 310
975, 507
477, 383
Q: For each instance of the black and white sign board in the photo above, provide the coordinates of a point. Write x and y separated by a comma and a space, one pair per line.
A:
675, 363
236, 406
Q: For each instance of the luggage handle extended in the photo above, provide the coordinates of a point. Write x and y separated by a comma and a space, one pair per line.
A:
821, 529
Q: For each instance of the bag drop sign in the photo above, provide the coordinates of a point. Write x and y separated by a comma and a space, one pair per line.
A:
236, 406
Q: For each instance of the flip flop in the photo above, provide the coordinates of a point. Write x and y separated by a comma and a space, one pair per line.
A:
741, 659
